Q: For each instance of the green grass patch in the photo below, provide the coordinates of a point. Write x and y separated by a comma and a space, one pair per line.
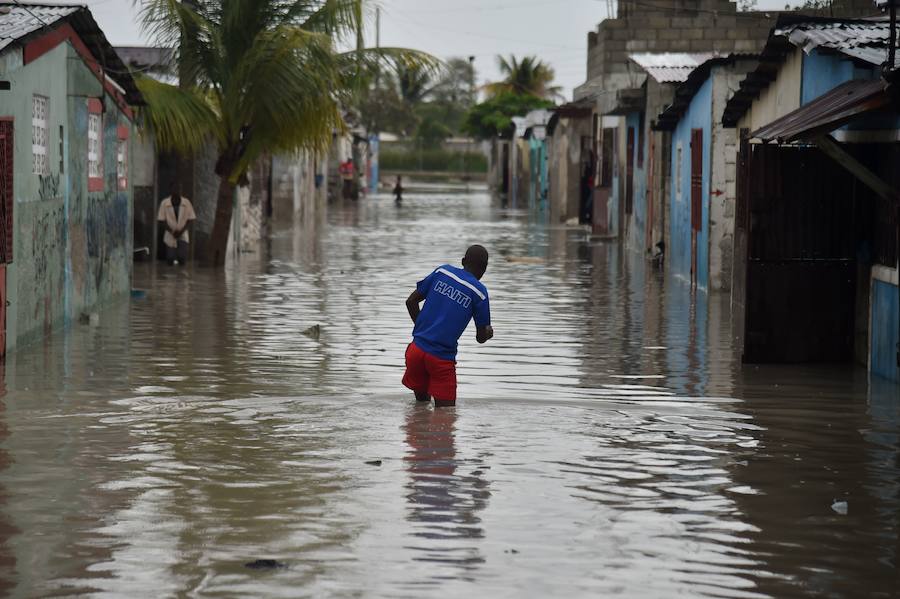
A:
432, 160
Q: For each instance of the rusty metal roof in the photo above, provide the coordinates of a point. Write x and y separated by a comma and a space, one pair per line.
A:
827, 112
25, 19
670, 67
22, 21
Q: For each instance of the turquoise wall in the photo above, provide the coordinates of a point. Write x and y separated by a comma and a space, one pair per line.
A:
539, 191
72, 248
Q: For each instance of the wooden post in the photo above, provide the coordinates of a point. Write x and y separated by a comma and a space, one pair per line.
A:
833, 150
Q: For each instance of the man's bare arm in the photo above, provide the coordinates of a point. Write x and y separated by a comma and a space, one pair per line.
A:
412, 304
483, 334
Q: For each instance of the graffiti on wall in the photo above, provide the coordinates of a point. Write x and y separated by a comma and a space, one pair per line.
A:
47, 239
106, 230
49, 187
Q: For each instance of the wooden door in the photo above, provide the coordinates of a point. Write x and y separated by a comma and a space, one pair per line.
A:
6, 218
696, 197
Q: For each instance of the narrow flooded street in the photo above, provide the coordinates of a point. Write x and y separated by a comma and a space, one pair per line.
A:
607, 442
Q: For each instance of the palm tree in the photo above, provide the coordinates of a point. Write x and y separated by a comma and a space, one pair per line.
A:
528, 76
257, 76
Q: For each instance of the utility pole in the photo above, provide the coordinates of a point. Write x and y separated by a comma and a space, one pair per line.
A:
471, 104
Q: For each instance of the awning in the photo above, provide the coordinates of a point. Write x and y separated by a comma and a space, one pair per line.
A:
827, 112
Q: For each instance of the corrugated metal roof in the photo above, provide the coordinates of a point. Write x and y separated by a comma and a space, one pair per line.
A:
670, 67
24, 19
684, 93
827, 112
865, 41
860, 39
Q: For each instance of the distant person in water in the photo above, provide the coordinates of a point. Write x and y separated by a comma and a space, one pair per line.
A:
176, 214
398, 189
452, 296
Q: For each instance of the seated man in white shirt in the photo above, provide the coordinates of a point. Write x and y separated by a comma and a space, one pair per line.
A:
176, 214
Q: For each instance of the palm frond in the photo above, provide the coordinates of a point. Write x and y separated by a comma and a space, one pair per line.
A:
179, 120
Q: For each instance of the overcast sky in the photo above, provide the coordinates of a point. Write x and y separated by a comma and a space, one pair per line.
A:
554, 30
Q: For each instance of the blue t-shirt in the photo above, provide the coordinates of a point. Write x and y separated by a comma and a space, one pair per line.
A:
453, 296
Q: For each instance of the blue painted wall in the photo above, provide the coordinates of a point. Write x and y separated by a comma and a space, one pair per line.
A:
823, 72
884, 333
698, 116
639, 204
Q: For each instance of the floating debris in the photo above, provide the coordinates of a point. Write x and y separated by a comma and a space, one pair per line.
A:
265, 564
313, 332
373, 463
840, 507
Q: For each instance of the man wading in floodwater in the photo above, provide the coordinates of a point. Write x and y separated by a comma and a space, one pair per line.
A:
452, 296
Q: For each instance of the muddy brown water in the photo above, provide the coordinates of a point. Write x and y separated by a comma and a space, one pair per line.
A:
607, 442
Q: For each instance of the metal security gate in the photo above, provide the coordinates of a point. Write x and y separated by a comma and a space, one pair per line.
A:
6, 219
795, 227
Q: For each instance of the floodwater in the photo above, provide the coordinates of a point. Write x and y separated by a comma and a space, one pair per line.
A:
607, 442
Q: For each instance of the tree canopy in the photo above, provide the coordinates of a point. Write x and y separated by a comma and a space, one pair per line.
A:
528, 76
493, 117
257, 76
426, 104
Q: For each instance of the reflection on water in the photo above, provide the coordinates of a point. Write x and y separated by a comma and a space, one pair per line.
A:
443, 503
606, 442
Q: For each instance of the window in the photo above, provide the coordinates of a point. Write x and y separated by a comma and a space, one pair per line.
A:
40, 161
95, 145
122, 158
62, 150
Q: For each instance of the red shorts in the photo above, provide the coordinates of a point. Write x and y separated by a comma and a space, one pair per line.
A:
429, 374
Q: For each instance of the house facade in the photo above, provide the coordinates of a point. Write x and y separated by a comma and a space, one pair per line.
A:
816, 225
66, 139
703, 155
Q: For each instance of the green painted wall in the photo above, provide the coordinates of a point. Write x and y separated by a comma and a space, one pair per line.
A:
72, 248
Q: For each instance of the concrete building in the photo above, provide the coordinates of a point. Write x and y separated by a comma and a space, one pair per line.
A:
66, 147
619, 87
571, 161
647, 148
703, 156
816, 231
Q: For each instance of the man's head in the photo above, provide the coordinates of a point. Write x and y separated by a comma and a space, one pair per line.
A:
175, 191
476, 260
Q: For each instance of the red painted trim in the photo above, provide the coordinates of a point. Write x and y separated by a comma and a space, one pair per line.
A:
47, 42
95, 106
95, 184
43, 44
122, 132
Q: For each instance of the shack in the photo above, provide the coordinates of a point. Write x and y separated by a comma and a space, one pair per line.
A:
703, 154
816, 228
66, 133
